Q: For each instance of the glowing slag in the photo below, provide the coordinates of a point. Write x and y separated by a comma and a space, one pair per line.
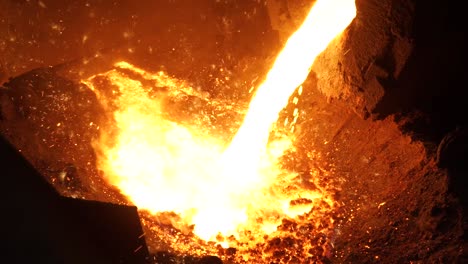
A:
219, 188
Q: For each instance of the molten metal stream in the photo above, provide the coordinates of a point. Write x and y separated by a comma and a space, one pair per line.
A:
164, 166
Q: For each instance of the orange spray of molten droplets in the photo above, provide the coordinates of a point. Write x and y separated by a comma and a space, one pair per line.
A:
162, 165
325, 21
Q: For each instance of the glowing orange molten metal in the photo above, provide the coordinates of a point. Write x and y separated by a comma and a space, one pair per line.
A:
164, 164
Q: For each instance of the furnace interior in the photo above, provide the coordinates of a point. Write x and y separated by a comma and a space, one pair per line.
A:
382, 111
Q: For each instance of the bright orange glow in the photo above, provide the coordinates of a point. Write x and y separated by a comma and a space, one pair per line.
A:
165, 164
325, 21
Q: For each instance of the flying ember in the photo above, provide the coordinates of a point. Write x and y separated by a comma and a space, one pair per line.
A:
165, 160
